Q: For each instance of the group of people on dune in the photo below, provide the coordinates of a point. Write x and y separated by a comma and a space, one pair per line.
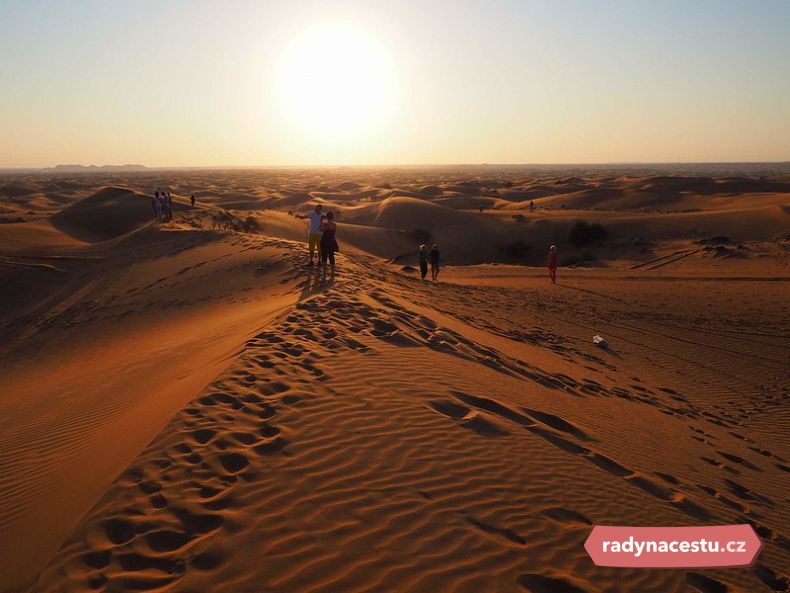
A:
434, 257
162, 203
322, 237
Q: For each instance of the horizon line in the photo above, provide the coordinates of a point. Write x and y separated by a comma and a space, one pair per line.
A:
401, 165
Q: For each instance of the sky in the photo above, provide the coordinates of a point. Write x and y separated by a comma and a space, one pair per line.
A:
281, 83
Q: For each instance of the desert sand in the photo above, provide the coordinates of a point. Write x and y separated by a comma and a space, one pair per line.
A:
186, 406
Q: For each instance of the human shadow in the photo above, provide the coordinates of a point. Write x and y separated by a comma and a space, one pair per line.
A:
312, 283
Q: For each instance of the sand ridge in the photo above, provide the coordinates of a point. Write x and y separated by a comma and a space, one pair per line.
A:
329, 485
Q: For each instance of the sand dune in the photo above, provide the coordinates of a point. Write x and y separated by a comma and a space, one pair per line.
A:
104, 215
188, 407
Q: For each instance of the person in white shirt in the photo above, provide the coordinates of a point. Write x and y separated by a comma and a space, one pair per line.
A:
314, 234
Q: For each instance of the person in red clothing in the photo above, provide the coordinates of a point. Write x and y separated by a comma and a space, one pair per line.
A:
553, 264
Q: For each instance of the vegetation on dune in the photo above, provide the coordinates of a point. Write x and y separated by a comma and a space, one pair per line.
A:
422, 235
584, 233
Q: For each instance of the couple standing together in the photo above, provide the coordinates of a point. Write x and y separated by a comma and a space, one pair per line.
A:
322, 235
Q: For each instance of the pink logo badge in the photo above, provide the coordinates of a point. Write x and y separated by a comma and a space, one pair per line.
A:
673, 547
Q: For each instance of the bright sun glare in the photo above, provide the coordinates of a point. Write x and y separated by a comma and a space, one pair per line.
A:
336, 82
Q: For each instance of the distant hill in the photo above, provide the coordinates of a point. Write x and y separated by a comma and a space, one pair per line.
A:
89, 168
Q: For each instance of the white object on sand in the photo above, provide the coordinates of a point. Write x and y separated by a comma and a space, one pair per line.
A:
600, 342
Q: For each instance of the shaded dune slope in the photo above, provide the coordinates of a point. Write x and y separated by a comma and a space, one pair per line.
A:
94, 365
108, 213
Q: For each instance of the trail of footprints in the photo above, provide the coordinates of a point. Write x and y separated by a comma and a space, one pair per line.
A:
211, 446
222, 439
462, 408
564, 435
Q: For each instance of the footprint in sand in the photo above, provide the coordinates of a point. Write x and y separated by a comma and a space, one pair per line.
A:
538, 583
705, 584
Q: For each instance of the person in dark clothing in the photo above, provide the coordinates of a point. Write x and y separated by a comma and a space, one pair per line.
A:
422, 254
435, 258
154, 200
553, 264
192, 200
329, 244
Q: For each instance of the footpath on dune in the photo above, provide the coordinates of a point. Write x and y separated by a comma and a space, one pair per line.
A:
99, 356
383, 434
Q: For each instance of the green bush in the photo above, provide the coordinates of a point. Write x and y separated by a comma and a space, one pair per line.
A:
422, 235
583, 233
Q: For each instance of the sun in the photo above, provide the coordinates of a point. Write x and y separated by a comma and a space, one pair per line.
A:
336, 82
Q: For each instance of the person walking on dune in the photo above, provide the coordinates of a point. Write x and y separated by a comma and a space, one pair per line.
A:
328, 241
553, 264
435, 257
531, 206
314, 233
422, 255
192, 200
169, 207
158, 206
154, 199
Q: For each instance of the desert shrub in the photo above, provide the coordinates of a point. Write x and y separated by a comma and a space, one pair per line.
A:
584, 233
250, 225
717, 240
517, 249
422, 235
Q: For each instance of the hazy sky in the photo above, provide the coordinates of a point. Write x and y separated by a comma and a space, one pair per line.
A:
193, 82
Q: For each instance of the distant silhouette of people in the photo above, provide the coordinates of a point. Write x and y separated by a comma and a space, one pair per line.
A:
192, 200
482, 207
422, 254
168, 206
435, 258
159, 205
314, 232
329, 244
154, 200
553, 264
531, 206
